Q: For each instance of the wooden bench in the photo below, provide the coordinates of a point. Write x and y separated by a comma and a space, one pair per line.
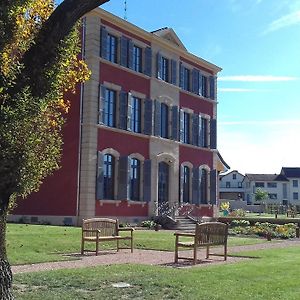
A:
206, 235
97, 230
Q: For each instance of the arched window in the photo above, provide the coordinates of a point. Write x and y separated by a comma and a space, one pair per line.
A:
135, 179
186, 184
108, 176
163, 183
204, 186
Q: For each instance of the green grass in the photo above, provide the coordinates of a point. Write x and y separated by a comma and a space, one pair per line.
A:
273, 275
40, 243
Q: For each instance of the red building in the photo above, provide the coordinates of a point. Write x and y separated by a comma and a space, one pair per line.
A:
140, 139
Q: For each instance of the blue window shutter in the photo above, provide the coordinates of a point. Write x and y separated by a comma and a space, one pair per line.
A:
148, 61
213, 134
158, 65
181, 182
157, 118
181, 126
175, 119
100, 177
123, 182
103, 41
213, 186
123, 110
212, 84
195, 129
124, 51
199, 84
102, 90
173, 71
147, 180
181, 75
130, 54
196, 186
148, 117
129, 112
195, 81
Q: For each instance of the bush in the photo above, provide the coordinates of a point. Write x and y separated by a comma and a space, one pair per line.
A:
238, 213
148, 224
242, 223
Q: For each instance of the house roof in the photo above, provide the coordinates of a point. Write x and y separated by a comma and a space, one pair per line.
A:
169, 35
291, 172
233, 171
266, 177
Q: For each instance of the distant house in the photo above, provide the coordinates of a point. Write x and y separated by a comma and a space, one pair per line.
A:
231, 186
275, 185
293, 176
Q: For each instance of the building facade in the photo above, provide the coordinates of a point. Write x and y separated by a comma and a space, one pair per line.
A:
231, 186
140, 138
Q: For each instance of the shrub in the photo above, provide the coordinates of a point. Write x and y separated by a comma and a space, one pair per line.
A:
148, 224
242, 223
238, 213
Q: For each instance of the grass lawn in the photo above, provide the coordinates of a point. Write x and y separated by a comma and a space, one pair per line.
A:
41, 243
273, 275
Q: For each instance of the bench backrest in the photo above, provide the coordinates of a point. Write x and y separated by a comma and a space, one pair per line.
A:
108, 227
212, 233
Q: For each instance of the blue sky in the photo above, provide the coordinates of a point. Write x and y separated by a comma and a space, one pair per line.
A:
257, 43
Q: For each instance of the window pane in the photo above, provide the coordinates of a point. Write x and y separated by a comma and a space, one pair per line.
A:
137, 59
135, 114
186, 184
186, 79
165, 69
110, 108
186, 128
135, 179
108, 174
164, 125
204, 186
112, 48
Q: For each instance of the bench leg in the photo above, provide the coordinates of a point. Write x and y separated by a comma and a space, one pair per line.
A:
176, 249
82, 246
207, 252
195, 254
225, 252
131, 243
97, 247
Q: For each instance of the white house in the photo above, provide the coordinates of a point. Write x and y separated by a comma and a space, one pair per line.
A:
231, 186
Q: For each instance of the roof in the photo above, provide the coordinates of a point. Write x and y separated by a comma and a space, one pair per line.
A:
266, 177
291, 172
169, 35
225, 166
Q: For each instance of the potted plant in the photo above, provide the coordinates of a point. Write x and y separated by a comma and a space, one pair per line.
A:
225, 208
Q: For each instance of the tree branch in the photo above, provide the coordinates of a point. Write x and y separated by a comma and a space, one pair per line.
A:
43, 53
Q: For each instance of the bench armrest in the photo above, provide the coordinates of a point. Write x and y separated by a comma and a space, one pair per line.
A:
92, 230
184, 234
126, 229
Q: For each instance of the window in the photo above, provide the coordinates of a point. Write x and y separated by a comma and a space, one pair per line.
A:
110, 108
186, 79
272, 184
259, 184
186, 127
137, 59
135, 114
135, 178
165, 69
164, 123
108, 174
272, 196
204, 186
295, 196
112, 48
228, 184
240, 184
295, 183
233, 176
204, 126
163, 186
186, 184
204, 86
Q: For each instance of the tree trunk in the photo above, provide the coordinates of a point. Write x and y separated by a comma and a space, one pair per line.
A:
5, 270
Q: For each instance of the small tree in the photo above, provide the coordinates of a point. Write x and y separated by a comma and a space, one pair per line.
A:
261, 195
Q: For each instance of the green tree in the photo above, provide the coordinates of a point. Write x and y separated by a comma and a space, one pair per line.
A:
261, 195
39, 46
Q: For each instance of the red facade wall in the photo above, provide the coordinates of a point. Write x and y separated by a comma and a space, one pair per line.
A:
58, 193
197, 104
197, 157
128, 81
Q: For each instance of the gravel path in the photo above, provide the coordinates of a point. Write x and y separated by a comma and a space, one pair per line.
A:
148, 257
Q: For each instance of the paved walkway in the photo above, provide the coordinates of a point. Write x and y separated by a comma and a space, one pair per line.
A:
149, 257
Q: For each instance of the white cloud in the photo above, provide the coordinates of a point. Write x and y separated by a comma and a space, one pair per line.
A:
261, 150
257, 78
284, 21
236, 90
